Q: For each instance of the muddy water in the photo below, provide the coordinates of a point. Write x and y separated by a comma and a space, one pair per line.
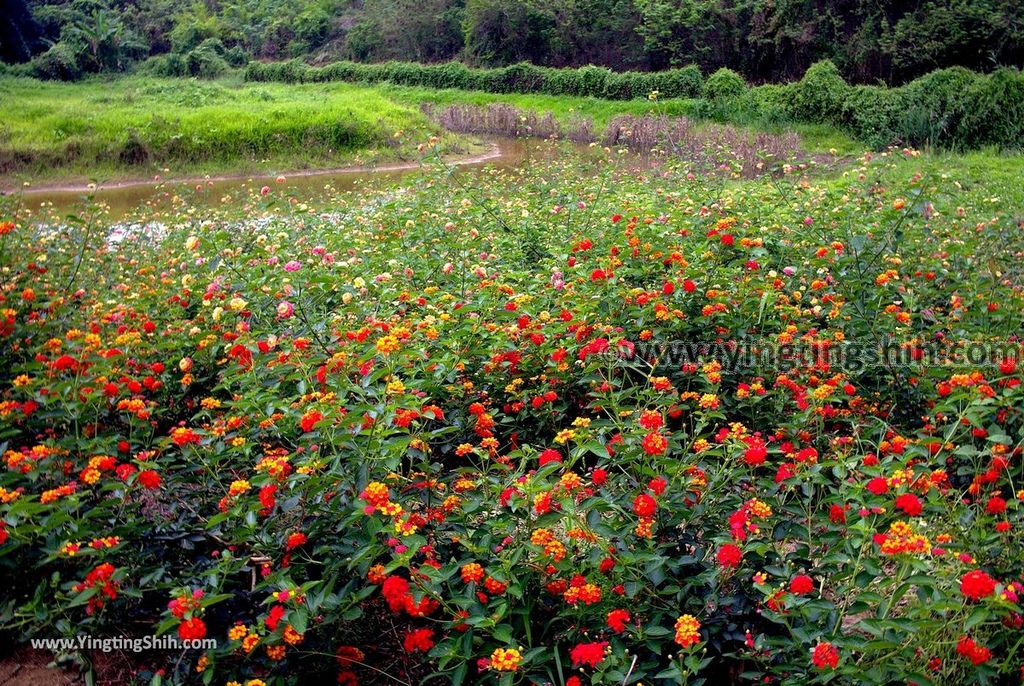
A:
156, 198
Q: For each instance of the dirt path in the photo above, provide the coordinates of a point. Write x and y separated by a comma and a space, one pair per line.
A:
493, 153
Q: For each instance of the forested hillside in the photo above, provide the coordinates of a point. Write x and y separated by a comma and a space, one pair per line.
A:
765, 40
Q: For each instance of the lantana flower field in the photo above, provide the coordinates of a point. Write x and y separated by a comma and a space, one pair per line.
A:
432, 434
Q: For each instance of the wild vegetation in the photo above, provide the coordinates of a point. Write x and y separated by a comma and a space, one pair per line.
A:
948, 108
763, 40
440, 429
723, 383
708, 146
145, 125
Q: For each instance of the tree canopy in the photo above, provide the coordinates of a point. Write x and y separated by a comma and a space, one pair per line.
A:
764, 40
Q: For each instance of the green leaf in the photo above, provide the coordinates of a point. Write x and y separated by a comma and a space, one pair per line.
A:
977, 616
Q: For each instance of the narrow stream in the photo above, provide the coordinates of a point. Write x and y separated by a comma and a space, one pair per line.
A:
155, 199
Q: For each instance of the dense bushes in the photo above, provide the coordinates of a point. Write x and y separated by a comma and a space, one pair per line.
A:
59, 63
993, 110
207, 60
724, 84
950, 108
820, 93
873, 113
523, 77
764, 40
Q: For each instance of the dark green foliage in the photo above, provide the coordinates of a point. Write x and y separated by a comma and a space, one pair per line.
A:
60, 63
530, 46
763, 40
936, 104
628, 85
687, 82
362, 40
993, 111
589, 81
724, 84
164, 65
522, 77
772, 104
820, 94
235, 57
952, 108
207, 60
972, 33
874, 114
497, 32
92, 39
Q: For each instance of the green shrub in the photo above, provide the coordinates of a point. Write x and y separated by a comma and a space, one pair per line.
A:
236, 57
23, 70
994, 113
454, 75
256, 71
686, 82
491, 80
517, 78
874, 113
947, 108
427, 75
402, 73
724, 84
212, 45
61, 63
336, 71
169, 65
590, 81
362, 39
292, 71
770, 104
935, 105
367, 73
559, 81
628, 85
206, 61
819, 95
495, 80
941, 90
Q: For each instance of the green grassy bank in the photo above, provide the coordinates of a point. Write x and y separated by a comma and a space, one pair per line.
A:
136, 126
